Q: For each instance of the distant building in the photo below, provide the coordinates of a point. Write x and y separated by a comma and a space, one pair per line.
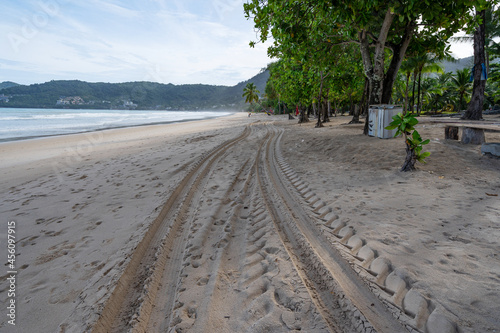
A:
62, 102
129, 105
4, 98
72, 100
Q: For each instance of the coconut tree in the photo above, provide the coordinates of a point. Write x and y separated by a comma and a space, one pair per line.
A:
431, 92
481, 34
406, 69
399, 94
491, 31
426, 63
461, 85
250, 93
437, 92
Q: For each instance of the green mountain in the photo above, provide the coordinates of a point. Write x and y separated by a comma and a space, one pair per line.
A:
135, 95
459, 64
7, 84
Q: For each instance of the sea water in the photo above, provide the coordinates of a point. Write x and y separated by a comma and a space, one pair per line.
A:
18, 124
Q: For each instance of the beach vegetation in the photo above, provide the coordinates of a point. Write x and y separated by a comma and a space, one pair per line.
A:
381, 30
250, 93
405, 125
461, 85
343, 57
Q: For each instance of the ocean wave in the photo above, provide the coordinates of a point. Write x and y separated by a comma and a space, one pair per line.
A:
16, 123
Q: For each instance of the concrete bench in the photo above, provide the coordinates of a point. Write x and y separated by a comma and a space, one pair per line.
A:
491, 148
451, 126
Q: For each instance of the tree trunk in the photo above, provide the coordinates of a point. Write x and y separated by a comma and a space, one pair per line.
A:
355, 117
320, 102
351, 104
309, 111
320, 111
364, 99
381, 83
303, 118
326, 108
411, 158
358, 111
398, 55
412, 104
405, 107
475, 108
418, 93
374, 66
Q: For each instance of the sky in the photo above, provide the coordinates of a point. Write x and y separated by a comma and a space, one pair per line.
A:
165, 41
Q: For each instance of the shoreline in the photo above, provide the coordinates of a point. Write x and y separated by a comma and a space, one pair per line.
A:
82, 202
34, 137
52, 152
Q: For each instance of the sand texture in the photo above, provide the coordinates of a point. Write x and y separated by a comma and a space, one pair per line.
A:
253, 224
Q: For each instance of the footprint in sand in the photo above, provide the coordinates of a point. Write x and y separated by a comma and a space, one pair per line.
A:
202, 281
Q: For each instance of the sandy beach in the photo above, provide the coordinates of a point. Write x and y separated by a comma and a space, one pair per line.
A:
250, 224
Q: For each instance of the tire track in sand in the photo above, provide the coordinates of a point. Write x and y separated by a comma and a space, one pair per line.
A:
134, 296
202, 257
324, 270
248, 284
239, 254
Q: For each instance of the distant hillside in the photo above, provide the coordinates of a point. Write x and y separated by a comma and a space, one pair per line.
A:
463, 63
459, 64
134, 95
260, 80
7, 84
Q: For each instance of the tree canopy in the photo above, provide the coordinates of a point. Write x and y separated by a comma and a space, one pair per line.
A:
250, 93
302, 28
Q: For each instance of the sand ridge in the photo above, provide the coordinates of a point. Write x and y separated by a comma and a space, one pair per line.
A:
437, 228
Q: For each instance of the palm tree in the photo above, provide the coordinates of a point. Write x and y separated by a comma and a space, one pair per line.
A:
431, 93
492, 32
407, 68
444, 99
460, 83
484, 44
399, 95
250, 93
425, 63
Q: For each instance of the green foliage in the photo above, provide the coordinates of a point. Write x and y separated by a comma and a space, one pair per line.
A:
250, 93
7, 84
447, 92
405, 124
308, 31
461, 85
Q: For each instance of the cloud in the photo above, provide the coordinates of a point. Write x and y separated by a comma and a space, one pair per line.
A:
114, 41
115, 9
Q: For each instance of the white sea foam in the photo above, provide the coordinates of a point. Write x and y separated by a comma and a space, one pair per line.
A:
28, 123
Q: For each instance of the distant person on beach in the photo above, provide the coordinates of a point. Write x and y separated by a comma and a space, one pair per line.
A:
249, 114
